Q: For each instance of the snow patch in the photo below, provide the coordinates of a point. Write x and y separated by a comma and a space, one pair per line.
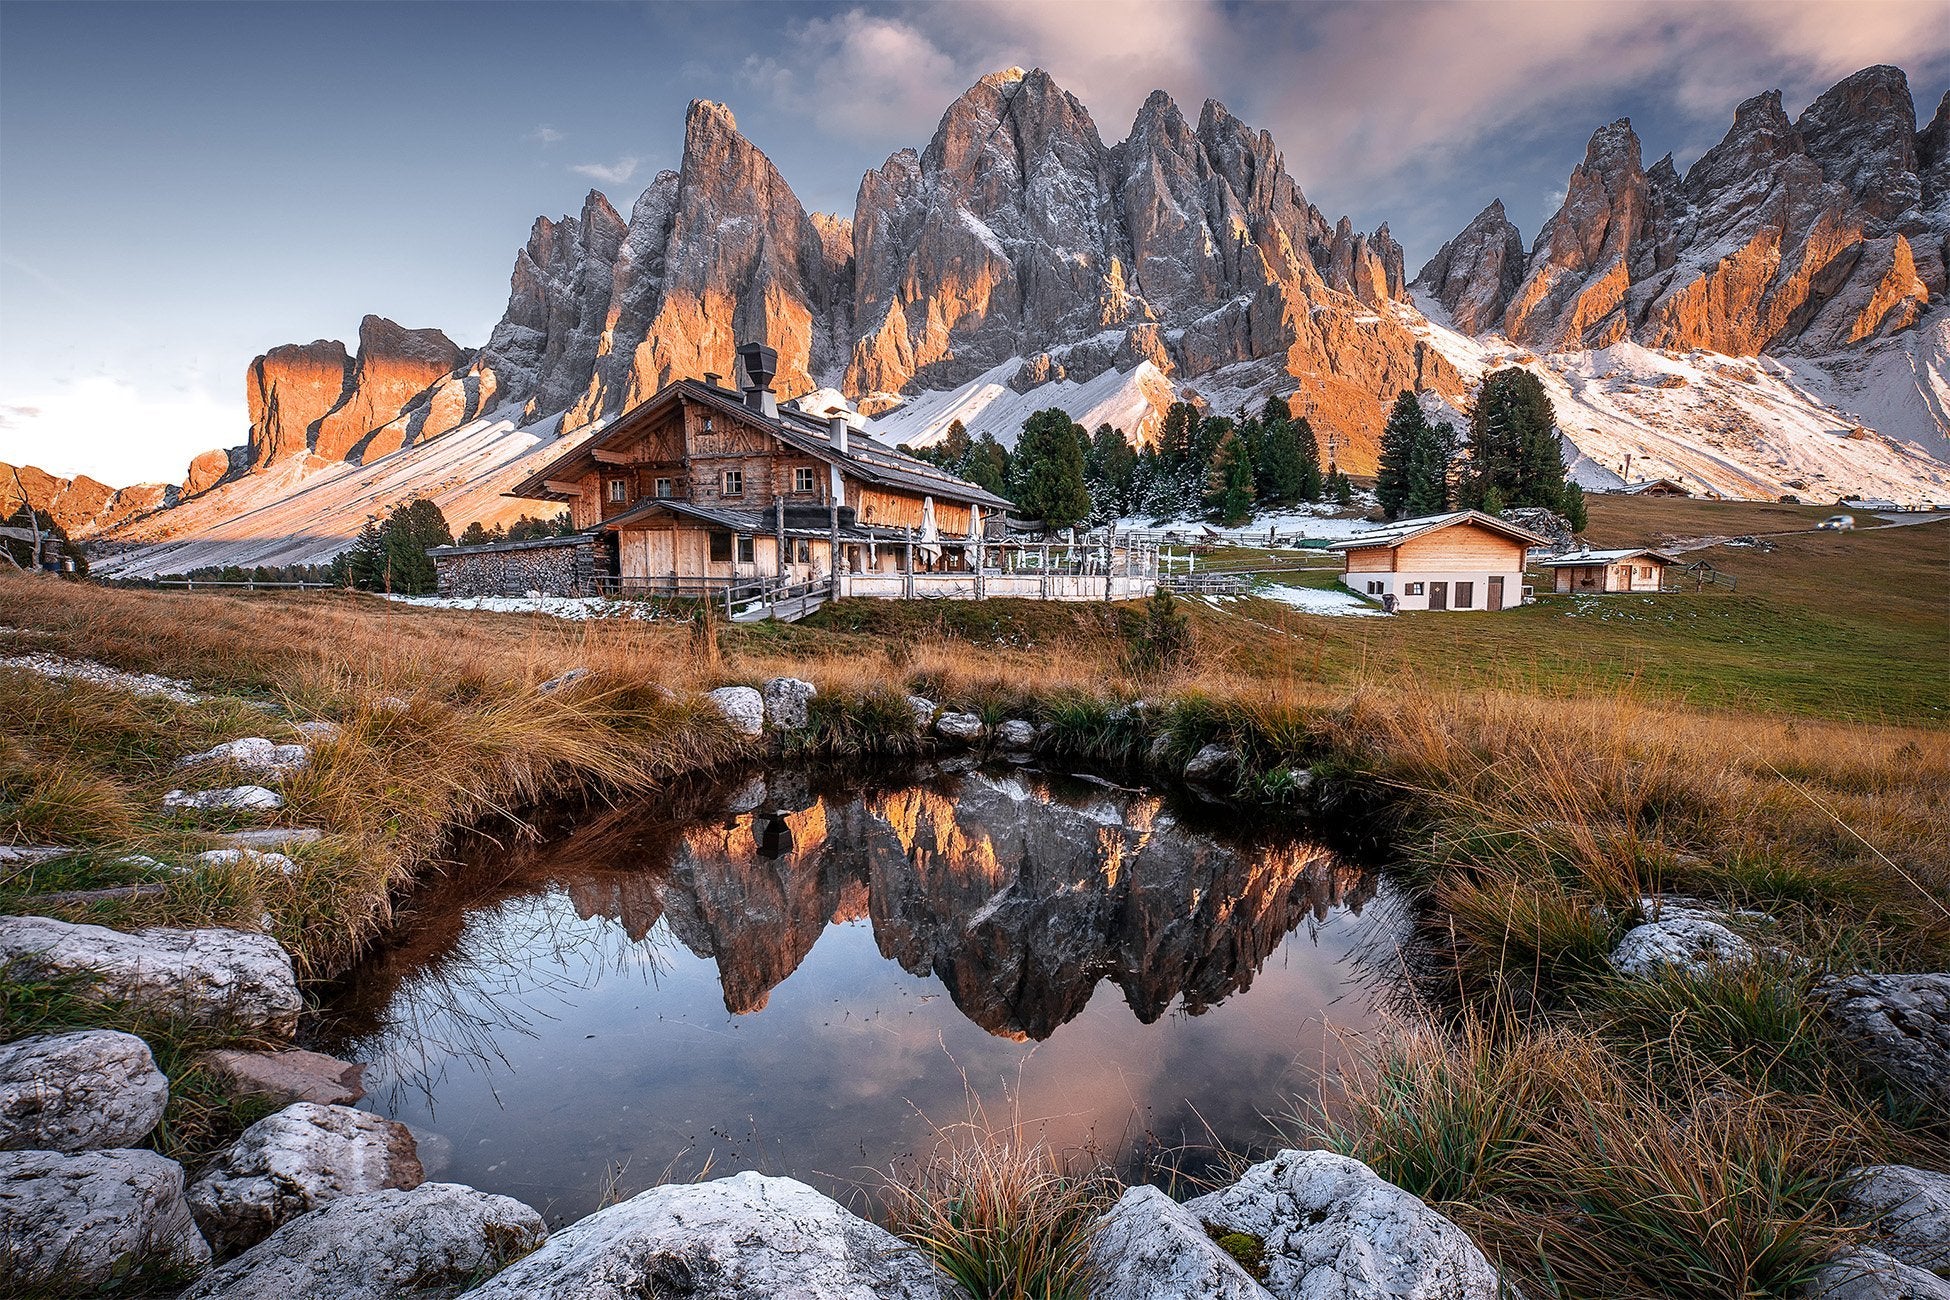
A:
1317, 600
574, 608
1132, 400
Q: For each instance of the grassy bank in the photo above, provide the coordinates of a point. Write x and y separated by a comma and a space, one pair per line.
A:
1531, 775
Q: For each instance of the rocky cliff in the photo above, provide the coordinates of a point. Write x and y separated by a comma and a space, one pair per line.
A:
80, 505
1811, 235
314, 398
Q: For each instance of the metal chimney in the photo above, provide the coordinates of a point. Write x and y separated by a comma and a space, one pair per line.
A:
836, 431
761, 364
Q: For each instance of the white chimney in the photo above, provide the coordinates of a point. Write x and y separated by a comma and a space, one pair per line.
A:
836, 430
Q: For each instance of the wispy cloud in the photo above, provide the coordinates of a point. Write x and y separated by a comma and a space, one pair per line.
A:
545, 135
860, 74
608, 173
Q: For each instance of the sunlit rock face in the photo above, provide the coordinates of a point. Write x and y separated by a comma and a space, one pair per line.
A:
81, 505
1019, 902
289, 390
314, 398
1813, 234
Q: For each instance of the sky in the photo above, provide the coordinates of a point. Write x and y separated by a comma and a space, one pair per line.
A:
183, 186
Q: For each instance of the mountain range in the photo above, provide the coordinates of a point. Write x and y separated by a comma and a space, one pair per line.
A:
1770, 321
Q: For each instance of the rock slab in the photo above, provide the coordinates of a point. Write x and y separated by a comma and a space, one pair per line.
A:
80, 1091
1907, 1210
738, 1237
288, 1076
428, 1240
235, 798
294, 1161
742, 707
219, 977
963, 728
1149, 1247
1872, 1275
1899, 1024
253, 754
1334, 1230
86, 1219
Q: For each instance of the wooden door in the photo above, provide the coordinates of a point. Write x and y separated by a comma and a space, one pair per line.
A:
1495, 594
1438, 595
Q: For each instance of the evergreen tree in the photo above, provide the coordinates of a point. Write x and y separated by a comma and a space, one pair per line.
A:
1400, 437
1211, 431
1339, 489
1110, 472
1513, 444
1229, 481
1280, 473
1048, 470
475, 535
987, 465
954, 446
1312, 485
1428, 471
407, 535
1177, 435
365, 560
1574, 509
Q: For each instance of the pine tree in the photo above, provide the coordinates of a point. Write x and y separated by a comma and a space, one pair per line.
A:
1048, 470
1394, 484
1573, 508
1281, 473
407, 535
987, 465
1513, 443
1229, 481
1177, 434
1428, 474
953, 448
1110, 470
1340, 489
1312, 485
365, 560
474, 535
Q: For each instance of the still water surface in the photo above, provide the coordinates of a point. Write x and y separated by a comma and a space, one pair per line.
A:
808, 977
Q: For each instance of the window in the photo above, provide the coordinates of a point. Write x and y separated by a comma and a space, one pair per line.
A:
1465, 595
1645, 571
1414, 589
734, 482
805, 552
619, 491
1374, 588
720, 546
744, 549
802, 479
663, 489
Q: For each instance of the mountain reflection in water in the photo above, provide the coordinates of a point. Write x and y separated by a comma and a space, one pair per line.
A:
553, 1009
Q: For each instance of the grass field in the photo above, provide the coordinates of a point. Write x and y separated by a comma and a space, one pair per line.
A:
1530, 775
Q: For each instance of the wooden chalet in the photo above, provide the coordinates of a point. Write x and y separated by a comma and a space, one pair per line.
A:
1464, 560
1598, 572
704, 490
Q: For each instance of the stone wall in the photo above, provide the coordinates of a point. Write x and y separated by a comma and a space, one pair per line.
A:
553, 566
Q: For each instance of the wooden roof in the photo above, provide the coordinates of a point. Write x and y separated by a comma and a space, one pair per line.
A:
1393, 535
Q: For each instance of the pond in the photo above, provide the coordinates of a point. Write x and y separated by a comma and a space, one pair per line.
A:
813, 976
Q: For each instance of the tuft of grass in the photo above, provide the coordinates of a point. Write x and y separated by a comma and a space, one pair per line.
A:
1006, 1217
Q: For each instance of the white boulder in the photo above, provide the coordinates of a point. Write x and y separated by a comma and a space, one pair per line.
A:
320, 731
287, 1076
1016, 734
234, 798
262, 861
1872, 1275
732, 1239
1680, 939
294, 1161
742, 707
1334, 1230
1149, 1247
788, 703
1211, 763
433, 1239
253, 754
76, 1092
963, 728
87, 1220
567, 677
1907, 1211
923, 709
226, 978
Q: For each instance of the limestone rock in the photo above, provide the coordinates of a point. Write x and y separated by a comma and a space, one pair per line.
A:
1016, 734
90, 1218
289, 390
270, 838
256, 753
236, 798
1898, 1024
1475, 274
320, 730
1871, 1275
394, 365
211, 468
211, 977
1149, 1247
923, 709
744, 1236
963, 728
742, 707
568, 677
1333, 1230
1680, 937
430, 1240
1211, 763
255, 859
788, 703
287, 1076
1908, 1210
79, 1091
294, 1161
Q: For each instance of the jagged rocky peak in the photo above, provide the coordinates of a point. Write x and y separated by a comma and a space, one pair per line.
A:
1812, 234
1933, 155
289, 390
394, 365
82, 506
1475, 274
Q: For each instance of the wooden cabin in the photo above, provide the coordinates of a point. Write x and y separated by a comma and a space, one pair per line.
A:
1464, 560
1596, 572
702, 486
1658, 487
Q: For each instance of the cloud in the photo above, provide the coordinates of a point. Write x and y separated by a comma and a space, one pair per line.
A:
115, 432
545, 135
858, 74
608, 173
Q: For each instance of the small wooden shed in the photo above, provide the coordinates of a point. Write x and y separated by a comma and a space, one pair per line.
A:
1463, 560
1597, 572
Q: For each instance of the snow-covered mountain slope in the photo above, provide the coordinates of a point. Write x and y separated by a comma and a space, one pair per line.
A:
1133, 400
305, 512
1757, 427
